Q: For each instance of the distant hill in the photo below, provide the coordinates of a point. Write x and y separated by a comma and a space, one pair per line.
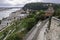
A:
40, 6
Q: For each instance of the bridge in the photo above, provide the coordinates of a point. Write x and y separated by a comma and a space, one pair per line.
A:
39, 31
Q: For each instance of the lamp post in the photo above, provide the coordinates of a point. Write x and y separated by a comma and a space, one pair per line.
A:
49, 13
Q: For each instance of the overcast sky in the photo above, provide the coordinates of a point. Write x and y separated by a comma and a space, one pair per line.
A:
4, 3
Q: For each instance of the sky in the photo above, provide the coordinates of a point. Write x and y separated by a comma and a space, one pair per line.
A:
12, 3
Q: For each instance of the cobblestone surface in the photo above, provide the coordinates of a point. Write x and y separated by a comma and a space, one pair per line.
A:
54, 32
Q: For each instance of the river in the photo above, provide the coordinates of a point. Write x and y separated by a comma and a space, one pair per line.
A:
6, 13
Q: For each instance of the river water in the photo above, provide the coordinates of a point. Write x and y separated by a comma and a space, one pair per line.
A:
6, 13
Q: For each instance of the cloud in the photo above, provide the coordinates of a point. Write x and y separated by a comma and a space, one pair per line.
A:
12, 2
22, 2
51, 1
